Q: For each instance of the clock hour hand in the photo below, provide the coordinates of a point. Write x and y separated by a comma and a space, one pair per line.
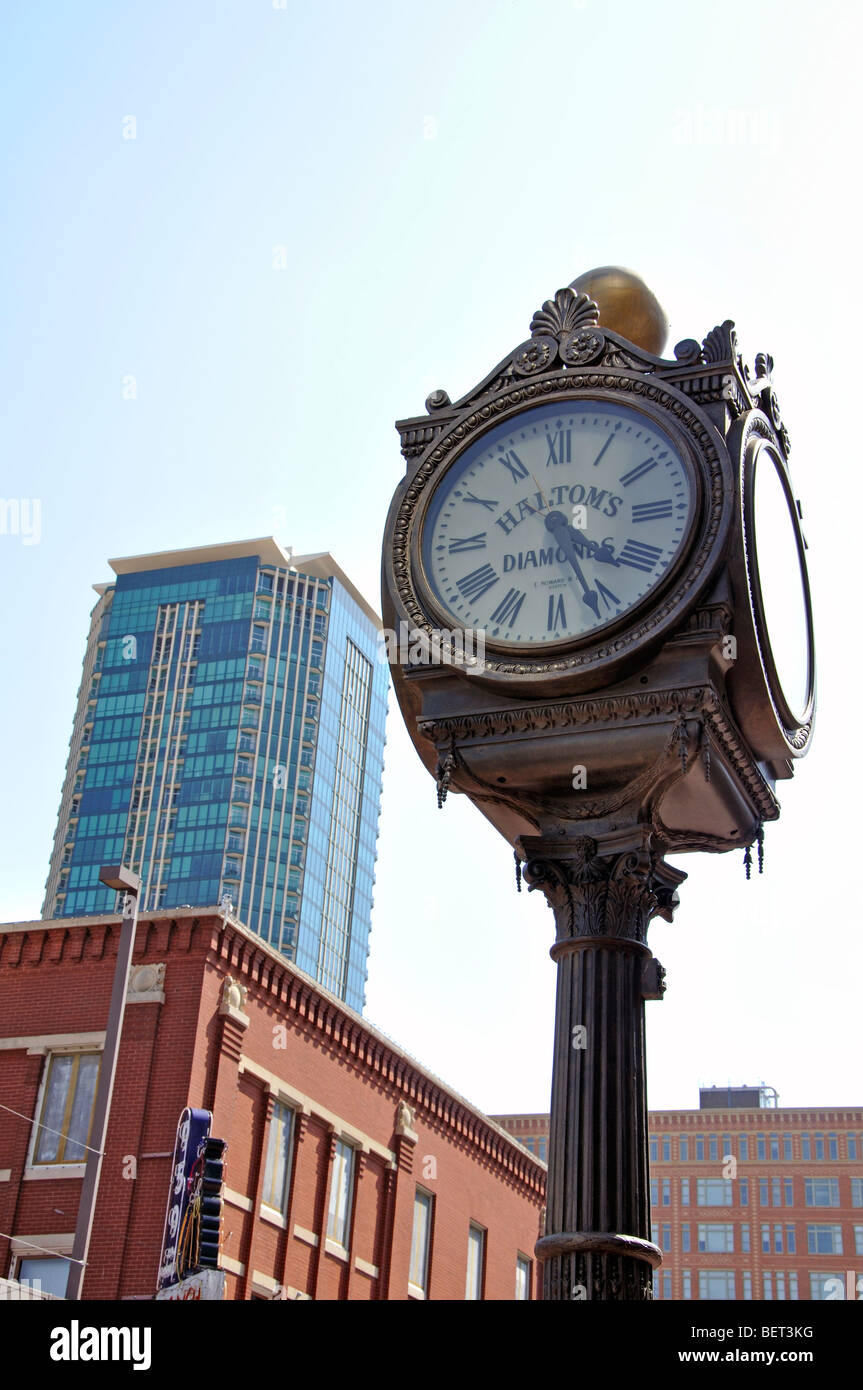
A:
557, 524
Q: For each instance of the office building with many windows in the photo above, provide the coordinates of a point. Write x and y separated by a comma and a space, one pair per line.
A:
749, 1200
228, 747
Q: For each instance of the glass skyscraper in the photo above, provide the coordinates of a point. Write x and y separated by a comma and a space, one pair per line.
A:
228, 744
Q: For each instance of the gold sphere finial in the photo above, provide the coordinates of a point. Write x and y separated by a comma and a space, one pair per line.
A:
626, 306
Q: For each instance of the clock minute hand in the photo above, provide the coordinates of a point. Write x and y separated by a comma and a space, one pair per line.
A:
594, 549
558, 525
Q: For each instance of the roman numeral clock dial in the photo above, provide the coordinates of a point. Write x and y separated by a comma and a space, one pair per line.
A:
557, 522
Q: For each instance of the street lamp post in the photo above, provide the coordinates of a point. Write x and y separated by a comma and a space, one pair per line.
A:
123, 881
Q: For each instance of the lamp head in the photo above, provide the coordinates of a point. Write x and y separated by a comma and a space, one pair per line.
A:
121, 879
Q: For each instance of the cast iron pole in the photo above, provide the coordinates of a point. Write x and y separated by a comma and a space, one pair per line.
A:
597, 1243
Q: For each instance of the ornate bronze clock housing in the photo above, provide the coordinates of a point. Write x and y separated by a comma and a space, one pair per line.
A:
648, 621
595, 577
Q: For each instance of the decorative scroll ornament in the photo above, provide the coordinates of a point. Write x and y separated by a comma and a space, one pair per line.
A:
688, 352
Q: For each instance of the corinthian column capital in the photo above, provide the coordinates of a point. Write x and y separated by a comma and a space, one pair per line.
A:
599, 890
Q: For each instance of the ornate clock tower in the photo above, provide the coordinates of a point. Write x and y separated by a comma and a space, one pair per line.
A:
595, 564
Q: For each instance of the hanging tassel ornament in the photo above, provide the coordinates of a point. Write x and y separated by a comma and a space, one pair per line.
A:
444, 773
747, 861
517, 871
761, 848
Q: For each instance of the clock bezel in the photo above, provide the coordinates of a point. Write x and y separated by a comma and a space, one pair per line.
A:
601, 631
776, 732
597, 657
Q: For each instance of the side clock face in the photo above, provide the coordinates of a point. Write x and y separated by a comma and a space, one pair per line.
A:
771, 677
557, 522
783, 610
778, 585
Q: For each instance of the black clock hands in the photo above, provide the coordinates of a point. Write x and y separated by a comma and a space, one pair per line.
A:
558, 525
603, 553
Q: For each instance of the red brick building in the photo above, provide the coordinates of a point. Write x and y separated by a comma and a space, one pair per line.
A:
351, 1172
749, 1201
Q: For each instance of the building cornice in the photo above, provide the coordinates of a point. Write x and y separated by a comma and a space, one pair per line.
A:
265, 549
834, 1114
72, 939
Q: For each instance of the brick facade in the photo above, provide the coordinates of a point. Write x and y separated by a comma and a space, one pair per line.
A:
753, 1202
233, 1027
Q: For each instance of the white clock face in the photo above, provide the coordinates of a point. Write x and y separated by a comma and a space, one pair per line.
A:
557, 522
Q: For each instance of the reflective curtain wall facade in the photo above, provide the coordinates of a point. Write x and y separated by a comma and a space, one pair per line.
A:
228, 743
345, 819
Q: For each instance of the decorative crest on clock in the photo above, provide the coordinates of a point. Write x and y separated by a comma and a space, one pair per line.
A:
569, 331
563, 314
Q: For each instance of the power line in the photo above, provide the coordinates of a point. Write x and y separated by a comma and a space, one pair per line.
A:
30, 1246
39, 1125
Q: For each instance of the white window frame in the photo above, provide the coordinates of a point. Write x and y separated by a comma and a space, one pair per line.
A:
341, 1239
48, 1046
419, 1288
711, 1230
54, 1246
810, 1184
814, 1229
704, 1186
282, 1208
479, 1280
707, 1275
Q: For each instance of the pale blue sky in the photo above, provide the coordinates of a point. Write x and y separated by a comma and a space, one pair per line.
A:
428, 174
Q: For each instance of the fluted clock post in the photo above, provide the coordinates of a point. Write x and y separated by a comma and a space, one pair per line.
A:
597, 1243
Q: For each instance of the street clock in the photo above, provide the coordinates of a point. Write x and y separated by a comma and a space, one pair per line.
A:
595, 567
